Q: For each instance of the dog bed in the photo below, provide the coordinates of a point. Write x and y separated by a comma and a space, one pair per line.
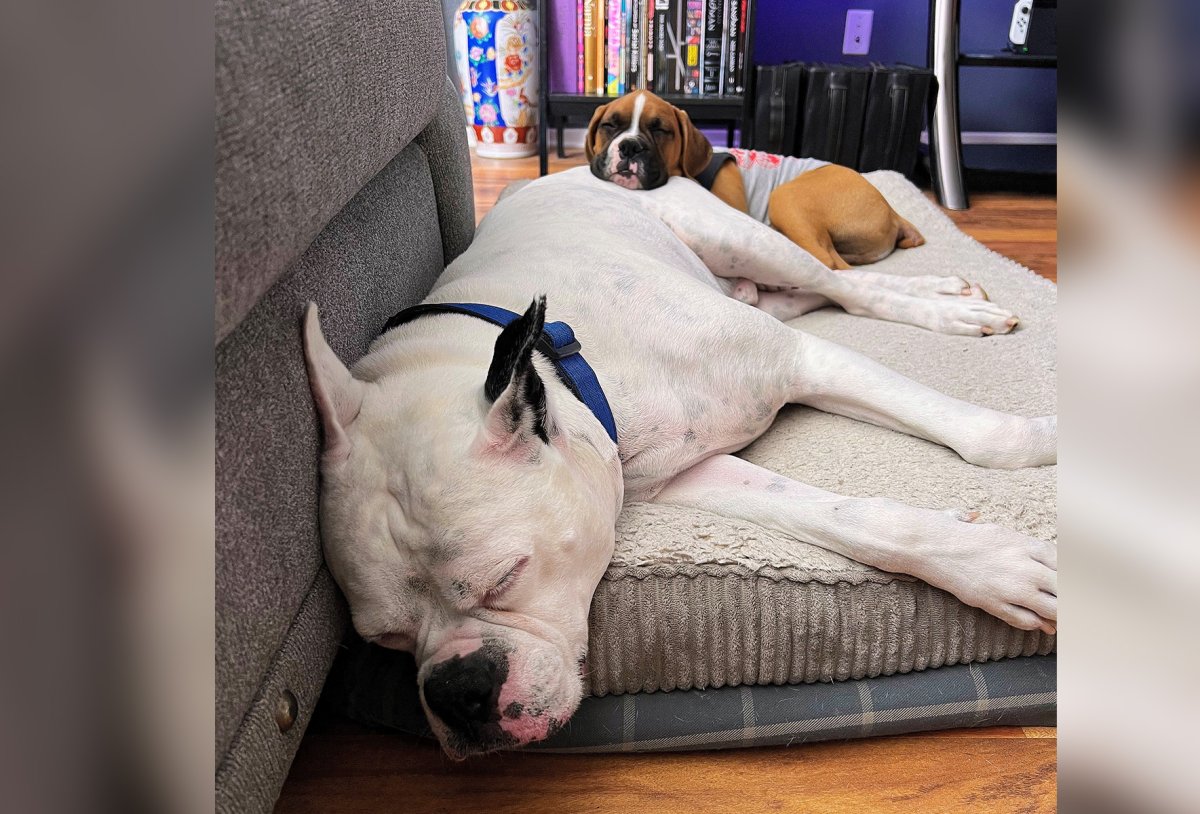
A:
383, 693
695, 602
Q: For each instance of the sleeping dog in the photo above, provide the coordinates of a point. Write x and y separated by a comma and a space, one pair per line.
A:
835, 214
476, 459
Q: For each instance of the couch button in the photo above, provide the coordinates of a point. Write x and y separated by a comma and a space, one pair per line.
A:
285, 710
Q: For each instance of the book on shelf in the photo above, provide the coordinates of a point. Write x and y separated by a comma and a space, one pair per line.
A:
634, 69
671, 47
612, 83
694, 24
735, 42
580, 54
714, 44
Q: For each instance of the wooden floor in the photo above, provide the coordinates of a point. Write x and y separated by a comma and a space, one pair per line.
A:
342, 767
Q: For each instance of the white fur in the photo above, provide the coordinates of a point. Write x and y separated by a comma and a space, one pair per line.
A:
418, 499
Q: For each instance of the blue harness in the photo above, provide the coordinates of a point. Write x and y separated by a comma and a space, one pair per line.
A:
557, 342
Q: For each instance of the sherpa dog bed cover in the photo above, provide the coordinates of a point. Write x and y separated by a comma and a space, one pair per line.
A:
694, 601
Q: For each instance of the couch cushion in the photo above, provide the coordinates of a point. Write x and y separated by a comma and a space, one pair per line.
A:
314, 97
380, 254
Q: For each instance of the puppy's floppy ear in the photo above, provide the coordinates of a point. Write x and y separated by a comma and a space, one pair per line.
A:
337, 394
589, 140
695, 151
519, 411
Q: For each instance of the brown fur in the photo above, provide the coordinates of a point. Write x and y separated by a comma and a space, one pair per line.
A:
833, 212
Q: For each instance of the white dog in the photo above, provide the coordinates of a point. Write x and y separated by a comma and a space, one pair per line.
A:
470, 494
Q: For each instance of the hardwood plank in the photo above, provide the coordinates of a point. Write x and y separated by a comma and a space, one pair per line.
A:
361, 772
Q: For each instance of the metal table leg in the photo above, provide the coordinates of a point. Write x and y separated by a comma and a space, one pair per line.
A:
945, 144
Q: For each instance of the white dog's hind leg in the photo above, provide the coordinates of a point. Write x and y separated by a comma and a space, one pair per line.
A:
838, 380
1007, 574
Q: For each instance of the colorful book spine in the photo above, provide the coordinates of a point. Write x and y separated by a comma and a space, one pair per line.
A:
580, 56
589, 47
598, 46
714, 44
623, 74
613, 48
694, 31
648, 45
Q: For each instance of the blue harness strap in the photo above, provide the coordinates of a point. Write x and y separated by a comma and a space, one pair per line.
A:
557, 342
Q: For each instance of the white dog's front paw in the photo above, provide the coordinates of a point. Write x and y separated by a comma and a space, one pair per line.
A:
971, 317
1007, 574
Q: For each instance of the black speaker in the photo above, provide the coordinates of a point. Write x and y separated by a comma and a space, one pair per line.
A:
835, 99
776, 101
895, 114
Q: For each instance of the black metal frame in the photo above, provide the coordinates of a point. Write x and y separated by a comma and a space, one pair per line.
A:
732, 111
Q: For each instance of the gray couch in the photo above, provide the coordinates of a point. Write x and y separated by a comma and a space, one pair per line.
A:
342, 176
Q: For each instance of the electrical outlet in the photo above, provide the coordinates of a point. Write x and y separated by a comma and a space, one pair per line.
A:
857, 39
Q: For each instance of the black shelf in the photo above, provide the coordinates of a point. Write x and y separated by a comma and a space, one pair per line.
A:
558, 109
1007, 59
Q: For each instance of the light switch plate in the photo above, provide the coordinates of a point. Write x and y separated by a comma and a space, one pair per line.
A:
857, 39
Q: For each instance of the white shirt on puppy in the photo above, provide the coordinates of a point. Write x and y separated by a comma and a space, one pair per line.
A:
763, 172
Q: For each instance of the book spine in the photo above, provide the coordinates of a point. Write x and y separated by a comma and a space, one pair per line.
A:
623, 72
613, 48
580, 55
635, 44
662, 71
694, 30
731, 47
714, 30
739, 86
598, 46
648, 46
725, 4
589, 46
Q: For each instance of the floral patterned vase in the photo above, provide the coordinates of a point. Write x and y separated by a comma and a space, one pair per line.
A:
495, 48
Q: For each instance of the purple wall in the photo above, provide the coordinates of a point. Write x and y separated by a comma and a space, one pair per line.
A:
811, 30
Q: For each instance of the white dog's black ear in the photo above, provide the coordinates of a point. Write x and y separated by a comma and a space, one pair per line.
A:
513, 387
337, 394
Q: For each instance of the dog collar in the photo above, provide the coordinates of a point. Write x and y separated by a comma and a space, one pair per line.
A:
557, 342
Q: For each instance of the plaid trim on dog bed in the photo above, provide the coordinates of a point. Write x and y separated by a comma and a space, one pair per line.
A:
1017, 691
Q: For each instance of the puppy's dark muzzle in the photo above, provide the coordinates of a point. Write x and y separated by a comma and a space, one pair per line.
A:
630, 152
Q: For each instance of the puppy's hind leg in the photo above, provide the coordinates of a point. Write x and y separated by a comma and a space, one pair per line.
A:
1005, 573
838, 380
908, 237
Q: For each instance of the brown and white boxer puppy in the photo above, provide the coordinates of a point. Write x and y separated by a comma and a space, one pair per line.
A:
639, 141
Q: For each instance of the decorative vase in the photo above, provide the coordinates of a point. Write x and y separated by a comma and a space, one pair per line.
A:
495, 48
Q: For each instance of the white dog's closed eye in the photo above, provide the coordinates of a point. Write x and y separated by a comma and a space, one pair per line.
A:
502, 586
394, 641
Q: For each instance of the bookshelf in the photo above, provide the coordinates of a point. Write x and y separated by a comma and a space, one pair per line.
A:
560, 109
